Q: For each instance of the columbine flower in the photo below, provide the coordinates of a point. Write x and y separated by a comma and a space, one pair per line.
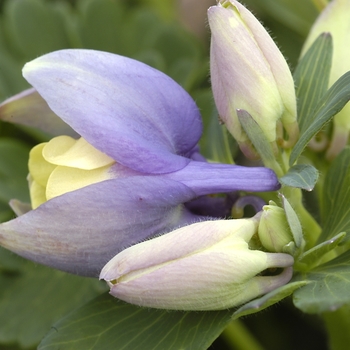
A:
128, 175
335, 19
203, 266
248, 72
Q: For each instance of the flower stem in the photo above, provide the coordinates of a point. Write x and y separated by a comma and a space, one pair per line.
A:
239, 337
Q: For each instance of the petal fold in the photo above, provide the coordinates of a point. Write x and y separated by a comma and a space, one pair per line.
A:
30, 109
135, 114
80, 231
66, 151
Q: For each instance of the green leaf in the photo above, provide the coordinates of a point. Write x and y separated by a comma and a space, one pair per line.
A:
13, 170
34, 28
151, 57
101, 25
167, 9
311, 257
256, 136
298, 15
216, 143
175, 43
188, 72
335, 205
312, 77
5, 214
140, 28
293, 222
10, 262
107, 323
269, 299
11, 79
35, 297
302, 176
329, 287
331, 103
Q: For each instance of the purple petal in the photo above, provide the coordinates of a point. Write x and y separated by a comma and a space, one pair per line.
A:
207, 178
80, 231
30, 109
130, 111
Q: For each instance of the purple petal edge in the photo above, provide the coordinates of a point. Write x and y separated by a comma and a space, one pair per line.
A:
30, 109
80, 231
130, 111
208, 178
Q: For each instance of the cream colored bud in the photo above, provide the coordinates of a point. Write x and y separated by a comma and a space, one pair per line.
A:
249, 72
204, 266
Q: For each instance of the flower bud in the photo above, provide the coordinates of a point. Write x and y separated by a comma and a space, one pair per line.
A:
335, 19
63, 165
274, 232
249, 72
204, 266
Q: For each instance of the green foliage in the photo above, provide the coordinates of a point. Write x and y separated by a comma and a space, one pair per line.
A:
310, 84
329, 287
224, 147
257, 137
113, 324
31, 28
297, 15
336, 197
33, 297
313, 256
268, 299
302, 176
329, 282
293, 223
330, 104
13, 170
28, 20
106, 37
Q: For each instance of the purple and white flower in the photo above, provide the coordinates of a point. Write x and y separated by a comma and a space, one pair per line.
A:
148, 125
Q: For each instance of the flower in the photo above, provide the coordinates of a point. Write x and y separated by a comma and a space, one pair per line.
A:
204, 266
127, 177
249, 72
335, 19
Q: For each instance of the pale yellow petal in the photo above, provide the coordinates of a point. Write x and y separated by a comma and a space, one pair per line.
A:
39, 168
66, 179
37, 194
66, 151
